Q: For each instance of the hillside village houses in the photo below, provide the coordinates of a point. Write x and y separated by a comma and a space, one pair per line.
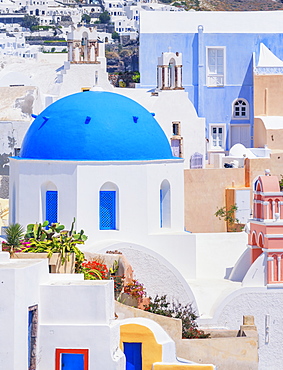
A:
124, 15
222, 277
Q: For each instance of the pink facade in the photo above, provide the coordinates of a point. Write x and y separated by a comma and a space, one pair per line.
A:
266, 227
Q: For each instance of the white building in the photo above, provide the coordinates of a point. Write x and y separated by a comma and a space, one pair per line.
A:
56, 321
15, 45
131, 142
49, 319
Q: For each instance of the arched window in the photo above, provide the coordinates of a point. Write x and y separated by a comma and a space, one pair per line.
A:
261, 240
254, 239
108, 207
165, 204
241, 109
172, 74
277, 208
257, 186
270, 209
275, 271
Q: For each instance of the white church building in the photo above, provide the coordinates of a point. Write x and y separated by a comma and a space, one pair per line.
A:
103, 159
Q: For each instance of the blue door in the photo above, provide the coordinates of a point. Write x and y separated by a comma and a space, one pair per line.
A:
133, 353
72, 361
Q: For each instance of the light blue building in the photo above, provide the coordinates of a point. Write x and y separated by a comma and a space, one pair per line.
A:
219, 52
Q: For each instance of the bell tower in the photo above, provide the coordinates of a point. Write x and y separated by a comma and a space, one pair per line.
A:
169, 71
83, 46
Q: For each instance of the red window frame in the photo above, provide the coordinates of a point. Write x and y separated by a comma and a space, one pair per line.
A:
59, 351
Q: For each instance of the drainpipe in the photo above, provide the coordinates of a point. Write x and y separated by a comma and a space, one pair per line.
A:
201, 72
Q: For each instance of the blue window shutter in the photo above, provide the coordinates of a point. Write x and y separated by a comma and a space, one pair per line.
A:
107, 210
51, 206
133, 353
72, 361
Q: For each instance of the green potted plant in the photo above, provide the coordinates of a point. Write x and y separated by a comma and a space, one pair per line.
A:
14, 236
56, 243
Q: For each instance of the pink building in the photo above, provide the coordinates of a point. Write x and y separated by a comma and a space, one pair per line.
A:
266, 228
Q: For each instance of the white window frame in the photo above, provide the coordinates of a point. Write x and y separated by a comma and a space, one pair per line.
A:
247, 116
215, 79
217, 126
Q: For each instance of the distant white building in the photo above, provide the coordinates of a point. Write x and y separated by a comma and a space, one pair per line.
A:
123, 25
15, 45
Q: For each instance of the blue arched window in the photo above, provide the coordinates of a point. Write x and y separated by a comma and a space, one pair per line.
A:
51, 202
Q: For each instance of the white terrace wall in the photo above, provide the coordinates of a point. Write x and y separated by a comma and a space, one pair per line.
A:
265, 304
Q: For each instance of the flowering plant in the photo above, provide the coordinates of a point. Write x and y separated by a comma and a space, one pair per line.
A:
94, 270
118, 284
6, 247
135, 289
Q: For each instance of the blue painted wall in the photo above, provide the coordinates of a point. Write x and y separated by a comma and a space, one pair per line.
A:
216, 105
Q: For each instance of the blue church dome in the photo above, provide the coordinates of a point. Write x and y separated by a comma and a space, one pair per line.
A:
99, 126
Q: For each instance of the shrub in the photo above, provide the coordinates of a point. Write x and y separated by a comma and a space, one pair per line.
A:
118, 284
161, 306
136, 77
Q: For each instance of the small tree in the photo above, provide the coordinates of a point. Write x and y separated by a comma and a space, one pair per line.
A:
104, 17
30, 21
228, 215
136, 77
115, 35
86, 18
